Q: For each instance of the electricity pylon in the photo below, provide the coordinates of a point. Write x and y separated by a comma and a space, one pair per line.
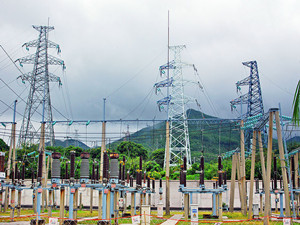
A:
253, 99
39, 80
176, 101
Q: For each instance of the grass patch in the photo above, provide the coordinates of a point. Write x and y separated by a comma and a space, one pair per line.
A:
81, 214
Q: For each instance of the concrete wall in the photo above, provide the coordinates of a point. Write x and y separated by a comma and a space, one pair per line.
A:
176, 198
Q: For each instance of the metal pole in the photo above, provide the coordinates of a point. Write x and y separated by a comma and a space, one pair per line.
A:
11, 156
262, 157
149, 199
168, 59
80, 201
42, 148
76, 203
111, 210
50, 203
44, 171
19, 202
268, 174
284, 162
252, 174
141, 202
71, 203
220, 206
116, 208
91, 200
13, 203
103, 147
186, 206
104, 206
62, 205
243, 173
261, 202
125, 203
263, 168
1, 199
34, 195
38, 203
167, 168
168, 131
108, 215
100, 204
296, 161
232, 183
214, 213
14, 166
132, 204
276, 203
238, 160
281, 205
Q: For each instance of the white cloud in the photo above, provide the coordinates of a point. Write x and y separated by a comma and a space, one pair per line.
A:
105, 43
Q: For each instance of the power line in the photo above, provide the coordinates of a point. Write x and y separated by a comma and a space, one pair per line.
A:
12, 60
10, 107
149, 93
134, 76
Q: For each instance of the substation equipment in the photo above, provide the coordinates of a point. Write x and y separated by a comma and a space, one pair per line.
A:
113, 191
219, 187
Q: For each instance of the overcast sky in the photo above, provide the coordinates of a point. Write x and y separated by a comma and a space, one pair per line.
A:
113, 49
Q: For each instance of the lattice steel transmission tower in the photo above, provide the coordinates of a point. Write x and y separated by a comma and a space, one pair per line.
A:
176, 101
253, 99
39, 80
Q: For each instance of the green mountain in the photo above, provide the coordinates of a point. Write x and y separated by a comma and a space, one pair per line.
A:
218, 135
68, 142
292, 140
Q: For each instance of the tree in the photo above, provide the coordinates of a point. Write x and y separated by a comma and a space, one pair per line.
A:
3, 146
296, 105
132, 165
152, 166
132, 149
95, 153
158, 156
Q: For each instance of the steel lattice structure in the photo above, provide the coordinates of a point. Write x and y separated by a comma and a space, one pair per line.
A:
39, 80
253, 98
179, 136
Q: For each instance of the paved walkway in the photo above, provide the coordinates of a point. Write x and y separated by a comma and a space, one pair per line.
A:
173, 220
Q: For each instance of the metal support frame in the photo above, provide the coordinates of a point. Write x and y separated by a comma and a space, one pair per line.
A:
216, 194
214, 212
176, 101
253, 99
39, 80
